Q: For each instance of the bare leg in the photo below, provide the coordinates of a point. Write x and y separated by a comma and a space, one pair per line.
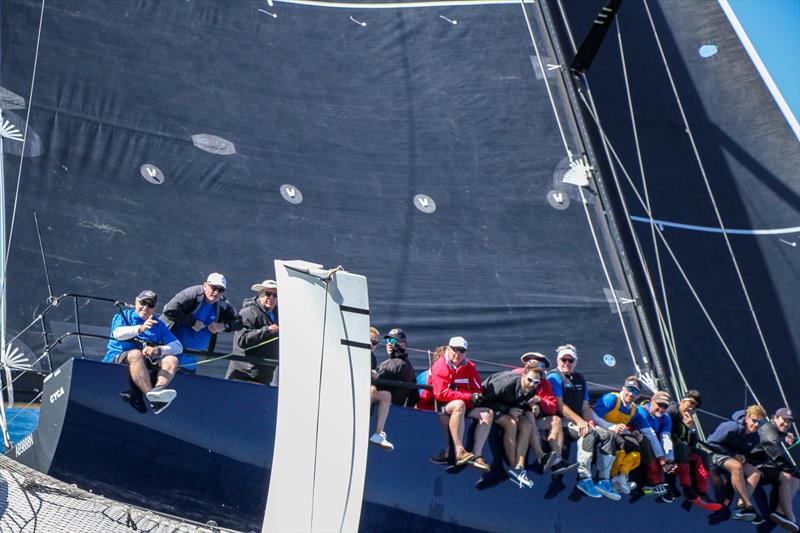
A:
535, 440
753, 476
737, 480
484, 417
786, 491
138, 370
169, 365
384, 401
509, 426
556, 435
523, 440
456, 410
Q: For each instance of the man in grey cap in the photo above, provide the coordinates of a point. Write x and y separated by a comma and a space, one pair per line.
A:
142, 341
776, 467
258, 336
197, 314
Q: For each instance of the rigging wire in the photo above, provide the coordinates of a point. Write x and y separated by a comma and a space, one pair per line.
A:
717, 213
668, 335
671, 253
583, 198
22, 153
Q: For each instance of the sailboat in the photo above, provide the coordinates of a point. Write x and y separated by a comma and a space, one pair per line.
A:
444, 150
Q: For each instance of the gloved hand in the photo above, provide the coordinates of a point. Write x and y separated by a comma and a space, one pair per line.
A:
670, 467
477, 398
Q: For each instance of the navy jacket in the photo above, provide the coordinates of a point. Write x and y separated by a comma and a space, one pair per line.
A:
730, 438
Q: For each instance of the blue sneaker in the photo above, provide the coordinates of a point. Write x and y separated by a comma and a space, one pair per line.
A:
586, 486
605, 488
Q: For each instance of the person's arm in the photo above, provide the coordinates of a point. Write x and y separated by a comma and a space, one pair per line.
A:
251, 335
179, 308
172, 348
231, 319
125, 333
651, 436
601, 409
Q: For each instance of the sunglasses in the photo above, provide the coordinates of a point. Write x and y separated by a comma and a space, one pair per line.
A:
663, 405
535, 364
269, 294
148, 303
633, 390
567, 360
458, 349
532, 381
392, 340
216, 288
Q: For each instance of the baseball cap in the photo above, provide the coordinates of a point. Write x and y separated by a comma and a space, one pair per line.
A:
264, 285
567, 349
535, 356
785, 413
661, 397
215, 279
396, 333
147, 295
458, 342
633, 382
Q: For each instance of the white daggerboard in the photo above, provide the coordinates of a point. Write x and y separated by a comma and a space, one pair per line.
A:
322, 430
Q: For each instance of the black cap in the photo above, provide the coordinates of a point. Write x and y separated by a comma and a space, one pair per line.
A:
396, 333
633, 382
147, 295
785, 413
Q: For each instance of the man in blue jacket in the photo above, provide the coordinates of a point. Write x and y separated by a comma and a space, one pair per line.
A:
731, 443
142, 341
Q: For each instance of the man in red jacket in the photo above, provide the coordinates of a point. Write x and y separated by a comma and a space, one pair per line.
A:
457, 386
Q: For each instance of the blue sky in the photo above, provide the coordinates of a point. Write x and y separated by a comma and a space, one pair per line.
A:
773, 27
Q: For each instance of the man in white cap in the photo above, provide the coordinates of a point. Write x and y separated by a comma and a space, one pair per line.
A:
197, 313
457, 387
258, 336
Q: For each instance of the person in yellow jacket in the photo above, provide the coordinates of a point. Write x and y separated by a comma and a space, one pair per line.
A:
618, 413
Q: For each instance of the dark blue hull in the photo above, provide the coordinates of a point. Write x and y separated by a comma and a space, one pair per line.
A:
208, 457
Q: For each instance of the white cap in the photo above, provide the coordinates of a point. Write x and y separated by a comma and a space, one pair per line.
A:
217, 280
458, 342
567, 349
264, 285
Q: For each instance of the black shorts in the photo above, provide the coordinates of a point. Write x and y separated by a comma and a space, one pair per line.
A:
771, 474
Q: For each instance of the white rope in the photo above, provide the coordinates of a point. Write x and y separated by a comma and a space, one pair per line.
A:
671, 253
583, 197
546, 85
665, 325
714, 204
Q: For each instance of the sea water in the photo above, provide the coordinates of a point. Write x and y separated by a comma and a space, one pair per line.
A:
21, 422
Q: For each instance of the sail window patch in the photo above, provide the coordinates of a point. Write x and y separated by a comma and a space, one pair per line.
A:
424, 203
213, 144
558, 199
152, 174
708, 50
291, 194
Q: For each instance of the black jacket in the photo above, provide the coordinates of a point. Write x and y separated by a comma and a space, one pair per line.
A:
502, 392
399, 368
255, 322
769, 450
180, 308
681, 431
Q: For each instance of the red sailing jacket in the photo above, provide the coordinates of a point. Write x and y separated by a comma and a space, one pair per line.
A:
464, 379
